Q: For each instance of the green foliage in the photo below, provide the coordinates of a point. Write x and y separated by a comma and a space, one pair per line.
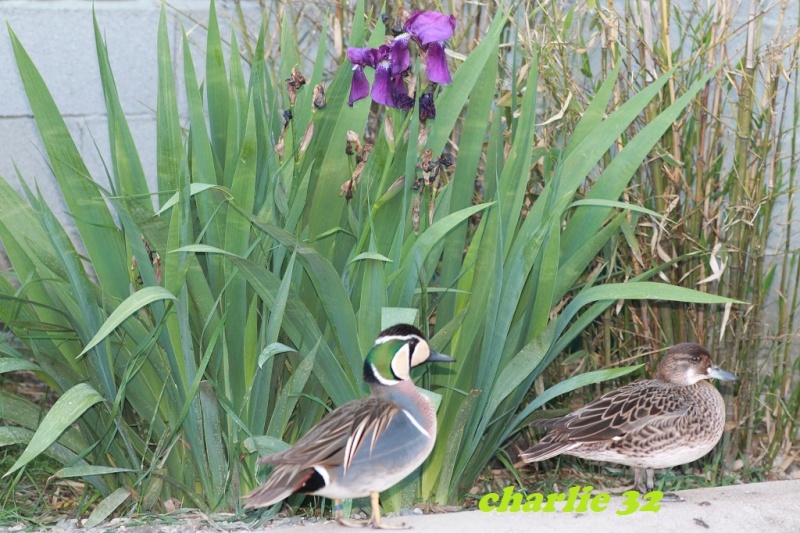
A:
245, 304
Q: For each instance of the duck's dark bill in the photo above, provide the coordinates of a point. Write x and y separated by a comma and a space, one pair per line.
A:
436, 357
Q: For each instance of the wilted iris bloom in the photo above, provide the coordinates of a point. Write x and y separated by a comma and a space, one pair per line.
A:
429, 30
427, 109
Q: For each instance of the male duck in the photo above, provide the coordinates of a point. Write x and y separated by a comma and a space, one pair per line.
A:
671, 420
367, 445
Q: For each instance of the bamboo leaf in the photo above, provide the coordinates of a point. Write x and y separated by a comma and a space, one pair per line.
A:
637, 290
618, 173
614, 203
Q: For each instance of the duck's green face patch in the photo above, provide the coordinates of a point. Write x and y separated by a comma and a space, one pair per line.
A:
390, 361
397, 350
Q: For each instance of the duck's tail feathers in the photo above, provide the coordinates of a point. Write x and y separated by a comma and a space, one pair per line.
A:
282, 483
542, 451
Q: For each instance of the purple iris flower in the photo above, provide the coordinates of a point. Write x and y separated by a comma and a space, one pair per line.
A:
401, 57
431, 29
361, 57
389, 89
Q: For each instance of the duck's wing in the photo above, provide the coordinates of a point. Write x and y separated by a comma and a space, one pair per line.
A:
331, 443
609, 418
337, 438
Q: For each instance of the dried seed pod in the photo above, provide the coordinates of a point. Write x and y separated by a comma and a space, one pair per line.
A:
422, 138
388, 129
415, 212
293, 83
150, 253
347, 190
357, 173
279, 146
433, 175
353, 143
349, 186
446, 159
297, 79
306, 140
368, 147
157, 265
400, 21
365, 152
319, 96
427, 164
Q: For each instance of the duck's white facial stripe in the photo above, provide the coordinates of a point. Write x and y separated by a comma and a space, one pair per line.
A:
694, 378
400, 364
403, 338
416, 424
421, 353
382, 380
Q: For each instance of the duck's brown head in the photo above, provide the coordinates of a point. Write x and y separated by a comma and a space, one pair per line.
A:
687, 363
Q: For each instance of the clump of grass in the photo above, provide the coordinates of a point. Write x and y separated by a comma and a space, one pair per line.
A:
30, 498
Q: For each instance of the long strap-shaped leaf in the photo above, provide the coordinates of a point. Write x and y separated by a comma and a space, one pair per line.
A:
128, 307
94, 221
64, 412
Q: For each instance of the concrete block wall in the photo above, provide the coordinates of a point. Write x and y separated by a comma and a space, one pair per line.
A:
59, 37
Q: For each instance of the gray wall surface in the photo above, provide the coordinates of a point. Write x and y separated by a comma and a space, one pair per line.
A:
59, 37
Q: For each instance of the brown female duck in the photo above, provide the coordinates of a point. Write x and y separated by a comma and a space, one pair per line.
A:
670, 420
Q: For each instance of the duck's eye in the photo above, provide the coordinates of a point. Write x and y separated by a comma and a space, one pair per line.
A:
412, 348
695, 359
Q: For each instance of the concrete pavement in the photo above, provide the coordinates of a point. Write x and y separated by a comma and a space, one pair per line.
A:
772, 507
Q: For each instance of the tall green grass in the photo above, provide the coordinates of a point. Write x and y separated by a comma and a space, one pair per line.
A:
232, 318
